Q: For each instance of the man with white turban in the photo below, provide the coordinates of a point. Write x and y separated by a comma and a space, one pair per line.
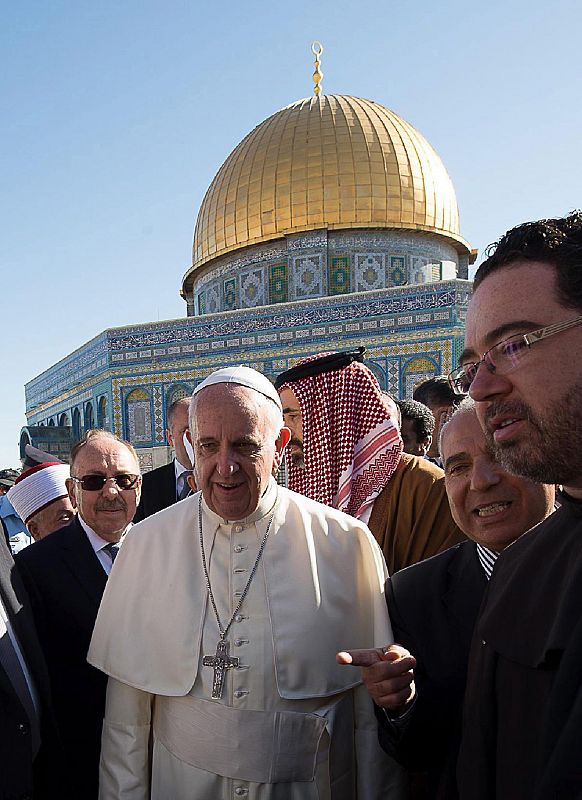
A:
220, 624
40, 498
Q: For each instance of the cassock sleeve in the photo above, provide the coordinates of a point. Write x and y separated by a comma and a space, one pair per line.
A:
124, 770
378, 775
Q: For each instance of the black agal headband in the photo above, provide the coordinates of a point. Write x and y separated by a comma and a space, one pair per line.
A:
317, 366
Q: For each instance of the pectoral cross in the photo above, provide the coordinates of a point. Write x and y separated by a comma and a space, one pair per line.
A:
221, 662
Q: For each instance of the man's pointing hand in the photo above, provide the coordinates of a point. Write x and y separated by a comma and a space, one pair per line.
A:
388, 674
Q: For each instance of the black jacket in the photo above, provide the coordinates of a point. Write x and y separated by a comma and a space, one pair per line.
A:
19, 777
433, 607
65, 582
158, 491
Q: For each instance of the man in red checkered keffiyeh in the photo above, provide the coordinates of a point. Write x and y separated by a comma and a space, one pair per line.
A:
349, 446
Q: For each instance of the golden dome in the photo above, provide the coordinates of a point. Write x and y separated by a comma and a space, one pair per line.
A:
333, 162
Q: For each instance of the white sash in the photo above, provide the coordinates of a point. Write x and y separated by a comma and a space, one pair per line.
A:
255, 746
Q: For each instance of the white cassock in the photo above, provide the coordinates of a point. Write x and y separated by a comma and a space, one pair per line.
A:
291, 724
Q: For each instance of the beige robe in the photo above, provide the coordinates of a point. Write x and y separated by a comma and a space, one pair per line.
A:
291, 724
411, 519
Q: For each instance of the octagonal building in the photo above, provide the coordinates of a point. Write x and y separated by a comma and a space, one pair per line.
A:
333, 224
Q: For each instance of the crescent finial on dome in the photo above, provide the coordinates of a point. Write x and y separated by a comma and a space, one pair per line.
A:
317, 50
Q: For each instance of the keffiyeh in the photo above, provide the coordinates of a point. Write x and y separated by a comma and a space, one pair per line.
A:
351, 444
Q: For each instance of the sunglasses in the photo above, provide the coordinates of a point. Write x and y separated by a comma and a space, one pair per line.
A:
94, 483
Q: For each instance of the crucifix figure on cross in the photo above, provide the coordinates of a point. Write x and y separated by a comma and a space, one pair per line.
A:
221, 661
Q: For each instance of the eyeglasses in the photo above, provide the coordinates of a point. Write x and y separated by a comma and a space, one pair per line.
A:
94, 483
505, 356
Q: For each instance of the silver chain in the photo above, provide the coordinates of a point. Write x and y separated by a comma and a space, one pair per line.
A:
224, 631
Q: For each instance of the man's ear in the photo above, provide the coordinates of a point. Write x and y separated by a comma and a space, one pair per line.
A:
138, 491
169, 437
33, 530
70, 484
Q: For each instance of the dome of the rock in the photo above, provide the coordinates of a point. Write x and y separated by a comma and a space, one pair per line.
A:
327, 162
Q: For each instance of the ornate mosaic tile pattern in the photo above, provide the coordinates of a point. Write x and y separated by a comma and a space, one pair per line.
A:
229, 295
146, 461
306, 277
212, 299
393, 383
278, 283
159, 430
370, 271
420, 270
339, 281
416, 370
180, 350
139, 421
330, 245
397, 273
252, 289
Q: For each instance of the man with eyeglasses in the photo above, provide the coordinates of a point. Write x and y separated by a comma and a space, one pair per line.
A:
65, 575
521, 363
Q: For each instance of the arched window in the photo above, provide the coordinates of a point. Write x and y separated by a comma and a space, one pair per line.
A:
378, 372
178, 392
139, 416
415, 371
64, 421
89, 417
102, 413
76, 424
51, 423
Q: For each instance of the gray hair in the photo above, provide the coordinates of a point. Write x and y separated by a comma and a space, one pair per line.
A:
467, 405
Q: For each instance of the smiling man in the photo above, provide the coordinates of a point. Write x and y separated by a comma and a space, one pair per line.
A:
521, 363
65, 575
433, 606
227, 662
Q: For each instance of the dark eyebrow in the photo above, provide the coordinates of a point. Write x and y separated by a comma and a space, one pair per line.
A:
455, 459
500, 333
290, 410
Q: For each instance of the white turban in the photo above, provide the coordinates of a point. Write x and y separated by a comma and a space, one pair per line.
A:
242, 376
38, 487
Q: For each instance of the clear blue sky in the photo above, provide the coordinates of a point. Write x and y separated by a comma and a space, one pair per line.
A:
116, 116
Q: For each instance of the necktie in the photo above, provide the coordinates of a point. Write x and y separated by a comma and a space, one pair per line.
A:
11, 664
112, 549
184, 491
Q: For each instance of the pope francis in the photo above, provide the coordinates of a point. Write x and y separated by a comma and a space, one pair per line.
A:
220, 624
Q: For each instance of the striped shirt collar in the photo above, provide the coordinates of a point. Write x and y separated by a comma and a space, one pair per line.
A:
487, 559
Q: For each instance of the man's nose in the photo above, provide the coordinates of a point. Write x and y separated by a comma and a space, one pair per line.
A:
487, 384
110, 487
484, 475
226, 466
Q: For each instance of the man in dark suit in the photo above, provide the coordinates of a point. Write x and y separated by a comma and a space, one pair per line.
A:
65, 575
166, 485
434, 605
30, 758
522, 723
